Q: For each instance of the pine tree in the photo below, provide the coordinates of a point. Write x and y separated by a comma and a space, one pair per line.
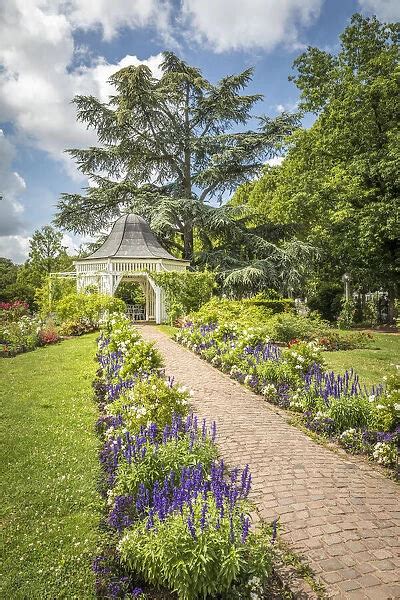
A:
171, 149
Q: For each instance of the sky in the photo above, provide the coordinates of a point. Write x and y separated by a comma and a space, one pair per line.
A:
51, 50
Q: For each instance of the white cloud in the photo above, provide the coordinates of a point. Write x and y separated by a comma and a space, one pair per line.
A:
38, 83
11, 186
287, 107
111, 16
385, 10
235, 24
15, 247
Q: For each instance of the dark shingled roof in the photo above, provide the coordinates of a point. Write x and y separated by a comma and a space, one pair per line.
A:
131, 237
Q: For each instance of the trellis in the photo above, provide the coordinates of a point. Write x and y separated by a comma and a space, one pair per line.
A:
130, 253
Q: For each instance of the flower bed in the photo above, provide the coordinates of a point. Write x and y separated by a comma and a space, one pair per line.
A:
293, 377
243, 316
21, 332
175, 518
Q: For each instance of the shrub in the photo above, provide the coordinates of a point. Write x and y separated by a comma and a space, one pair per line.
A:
385, 407
159, 459
78, 327
347, 314
83, 312
153, 399
351, 440
385, 454
141, 357
198, 550
19, 336
350, 412
49, 333
185, 291
12, 311
327, 300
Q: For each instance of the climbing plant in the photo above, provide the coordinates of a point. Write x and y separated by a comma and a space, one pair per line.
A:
185, 291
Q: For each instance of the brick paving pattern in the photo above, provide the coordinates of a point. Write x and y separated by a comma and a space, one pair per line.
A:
339, 512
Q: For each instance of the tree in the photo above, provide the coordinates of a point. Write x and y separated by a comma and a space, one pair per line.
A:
47, 254
338, 186
168, 148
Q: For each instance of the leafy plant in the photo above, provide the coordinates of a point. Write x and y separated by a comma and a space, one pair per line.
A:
152, 400
346, 315
86, 308
141, 357
349, 412
185, 291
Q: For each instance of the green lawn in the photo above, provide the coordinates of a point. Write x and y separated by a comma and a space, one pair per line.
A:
49, 471
370, 363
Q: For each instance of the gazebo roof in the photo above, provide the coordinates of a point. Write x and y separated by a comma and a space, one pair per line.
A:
131, 237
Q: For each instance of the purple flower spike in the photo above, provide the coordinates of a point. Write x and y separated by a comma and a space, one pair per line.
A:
191, 527
245, 529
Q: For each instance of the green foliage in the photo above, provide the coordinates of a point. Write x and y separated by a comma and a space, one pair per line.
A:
351, 440
370, 312
254, 320
141, 357
338, 186
235, 312
286, 327
183, 128
51, 291
159, 462
151, 400
130, 293
206, 565
185, 291
347, 314
385, 409
19, 336
327, 300
274, 305
302, 356
47, 254
350, 412
13, 286
86, 308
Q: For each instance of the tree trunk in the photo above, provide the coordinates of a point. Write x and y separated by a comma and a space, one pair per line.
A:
187, 183
188, 241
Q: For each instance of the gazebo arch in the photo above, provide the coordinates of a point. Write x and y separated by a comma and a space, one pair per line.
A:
131, 252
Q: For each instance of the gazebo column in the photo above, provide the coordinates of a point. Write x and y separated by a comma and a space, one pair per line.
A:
158, 307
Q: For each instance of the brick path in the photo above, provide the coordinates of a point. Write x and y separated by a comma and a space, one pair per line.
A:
339, 512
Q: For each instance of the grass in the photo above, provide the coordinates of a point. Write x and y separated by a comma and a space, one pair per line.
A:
49, 468
372, 363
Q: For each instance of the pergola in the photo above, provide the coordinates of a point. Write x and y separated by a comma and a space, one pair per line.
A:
131, 252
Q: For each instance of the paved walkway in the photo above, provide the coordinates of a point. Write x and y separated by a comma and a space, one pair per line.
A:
339, 512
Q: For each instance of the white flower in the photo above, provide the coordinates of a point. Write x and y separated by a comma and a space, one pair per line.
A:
380, 406
371, 398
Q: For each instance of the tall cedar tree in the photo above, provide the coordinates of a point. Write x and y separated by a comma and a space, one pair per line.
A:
168, 148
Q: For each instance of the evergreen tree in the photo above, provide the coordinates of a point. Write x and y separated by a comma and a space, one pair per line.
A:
170, 152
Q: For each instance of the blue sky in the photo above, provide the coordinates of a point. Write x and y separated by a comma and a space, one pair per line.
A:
50, 50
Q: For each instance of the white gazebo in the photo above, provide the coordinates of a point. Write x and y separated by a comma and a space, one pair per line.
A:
131, 252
